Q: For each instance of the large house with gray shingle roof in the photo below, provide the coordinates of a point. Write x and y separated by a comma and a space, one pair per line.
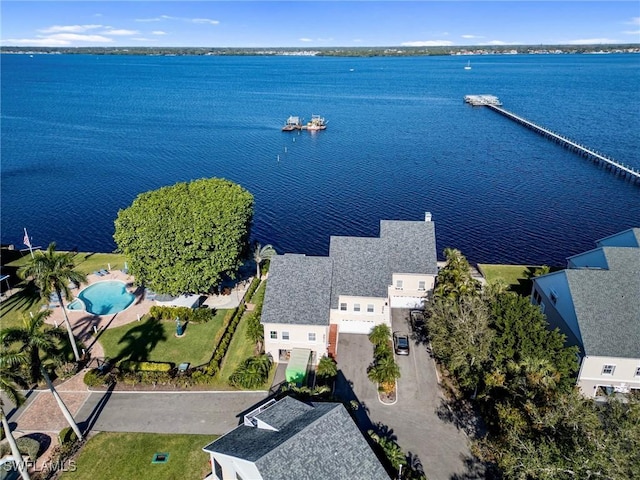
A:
310, 300
595, 302
290, 439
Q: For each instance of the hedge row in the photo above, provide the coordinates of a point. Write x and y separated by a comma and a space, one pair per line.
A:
255, 283
186, 314
131, 366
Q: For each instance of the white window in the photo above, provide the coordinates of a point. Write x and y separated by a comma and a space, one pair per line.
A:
343, 307
312, 337
637, 371
370, 308
285, 335
553, 296
217, 468
356, 307
422, 285
608, 369
542, 307
398, 284
273, 334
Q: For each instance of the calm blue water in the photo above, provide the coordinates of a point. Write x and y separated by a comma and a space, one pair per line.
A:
106, 298
83, 135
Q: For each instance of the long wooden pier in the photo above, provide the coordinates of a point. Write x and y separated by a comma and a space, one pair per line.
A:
610, 164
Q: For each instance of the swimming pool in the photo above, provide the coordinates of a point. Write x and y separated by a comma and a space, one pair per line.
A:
103, 298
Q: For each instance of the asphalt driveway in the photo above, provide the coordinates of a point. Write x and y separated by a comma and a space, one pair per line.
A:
438, 445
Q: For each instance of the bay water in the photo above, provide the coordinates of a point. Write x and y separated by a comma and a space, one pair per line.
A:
83, 135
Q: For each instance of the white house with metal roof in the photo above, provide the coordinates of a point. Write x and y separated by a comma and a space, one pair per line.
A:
595, 302
309, 300
290, 439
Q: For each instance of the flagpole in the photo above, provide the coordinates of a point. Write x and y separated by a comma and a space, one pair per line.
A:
27, 241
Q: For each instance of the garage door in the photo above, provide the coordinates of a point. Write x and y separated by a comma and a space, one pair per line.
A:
407, 302
355, 326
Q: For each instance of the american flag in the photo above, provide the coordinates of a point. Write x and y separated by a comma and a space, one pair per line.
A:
26, 240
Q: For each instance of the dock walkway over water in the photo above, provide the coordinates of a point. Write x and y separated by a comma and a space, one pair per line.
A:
494, 104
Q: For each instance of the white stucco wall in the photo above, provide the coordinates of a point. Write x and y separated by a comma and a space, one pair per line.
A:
298, 338
232, 465
404, 291
624, 375
362, 321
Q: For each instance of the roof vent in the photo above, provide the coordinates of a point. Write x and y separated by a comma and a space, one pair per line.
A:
427, 216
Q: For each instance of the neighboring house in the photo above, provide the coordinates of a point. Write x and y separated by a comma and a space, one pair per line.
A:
310, 300
289, 439
595, 302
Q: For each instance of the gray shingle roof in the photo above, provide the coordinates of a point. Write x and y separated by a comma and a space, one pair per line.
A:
607, 304
364, 266
298, 290
312, 441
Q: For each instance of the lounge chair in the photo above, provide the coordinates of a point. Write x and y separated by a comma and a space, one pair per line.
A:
99, 274
104, 272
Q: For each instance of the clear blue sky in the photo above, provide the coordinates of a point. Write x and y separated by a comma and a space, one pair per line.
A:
319, 23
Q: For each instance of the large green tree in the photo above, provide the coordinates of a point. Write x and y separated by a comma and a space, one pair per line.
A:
461, 337
52, 272
185, 238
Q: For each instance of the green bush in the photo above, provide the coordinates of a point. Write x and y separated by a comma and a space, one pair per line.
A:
186, 314
131, 366
94, 378
67, 436
26, 446
252, 288
66, 370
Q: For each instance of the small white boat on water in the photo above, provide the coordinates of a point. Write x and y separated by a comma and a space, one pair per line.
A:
468, 65
317, 123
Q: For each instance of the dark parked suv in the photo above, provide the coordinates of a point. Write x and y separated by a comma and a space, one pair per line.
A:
401, 343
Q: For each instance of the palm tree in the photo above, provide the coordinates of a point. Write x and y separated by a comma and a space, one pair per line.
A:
391, 449
381, 333
260, 254
255, 331
252, 373
52, 272
34, 340
10, 380
385, 370
327, 368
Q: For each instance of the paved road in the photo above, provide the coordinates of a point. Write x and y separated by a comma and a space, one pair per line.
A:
167, 412
437, 444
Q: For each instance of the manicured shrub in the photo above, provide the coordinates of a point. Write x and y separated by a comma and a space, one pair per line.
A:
67, 436
26, 446
66, 370
131, 366
93, 378
186, 314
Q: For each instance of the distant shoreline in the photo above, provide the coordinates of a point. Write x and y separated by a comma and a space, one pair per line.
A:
330, 51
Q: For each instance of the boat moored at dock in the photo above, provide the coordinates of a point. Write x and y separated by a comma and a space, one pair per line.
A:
296, 123
292, 123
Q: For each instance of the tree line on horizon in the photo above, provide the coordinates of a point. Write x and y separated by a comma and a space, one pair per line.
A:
386, 51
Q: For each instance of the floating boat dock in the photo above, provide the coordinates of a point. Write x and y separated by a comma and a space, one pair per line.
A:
296, 123
610, 164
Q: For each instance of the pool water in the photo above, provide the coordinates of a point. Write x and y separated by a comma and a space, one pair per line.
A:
104, 298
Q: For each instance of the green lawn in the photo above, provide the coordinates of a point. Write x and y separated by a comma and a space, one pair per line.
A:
86, 262
109, 456
239, 349
156, 341
517, 276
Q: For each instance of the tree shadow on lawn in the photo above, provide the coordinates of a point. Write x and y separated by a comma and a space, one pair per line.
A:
26, 298
140, 341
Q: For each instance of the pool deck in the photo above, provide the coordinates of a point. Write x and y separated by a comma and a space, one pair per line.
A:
84, 324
